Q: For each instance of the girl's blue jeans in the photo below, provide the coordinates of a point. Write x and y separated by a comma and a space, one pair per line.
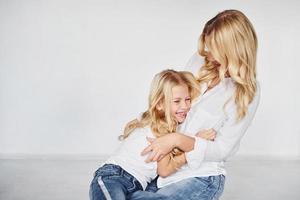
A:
111, 182
197, 188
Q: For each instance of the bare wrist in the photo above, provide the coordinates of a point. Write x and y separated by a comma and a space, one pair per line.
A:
176, 142
184, 142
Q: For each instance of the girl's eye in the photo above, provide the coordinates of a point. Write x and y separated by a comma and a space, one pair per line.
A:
188, 99
176, 101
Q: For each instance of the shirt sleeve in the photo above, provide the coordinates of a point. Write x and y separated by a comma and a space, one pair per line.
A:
195, 157
227, 140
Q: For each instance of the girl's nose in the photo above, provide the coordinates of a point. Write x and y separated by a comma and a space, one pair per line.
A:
184, 105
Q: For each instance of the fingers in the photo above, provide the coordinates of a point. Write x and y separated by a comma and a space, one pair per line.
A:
213, 130
200, 133
214, 134
156, 157
160, 157
152, 157
204, 132
146, 150
150, 139
209, 134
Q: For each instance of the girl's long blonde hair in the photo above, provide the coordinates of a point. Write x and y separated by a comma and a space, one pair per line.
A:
161, 121
232, 41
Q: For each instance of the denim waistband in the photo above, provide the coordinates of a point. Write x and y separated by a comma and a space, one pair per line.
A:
116, 170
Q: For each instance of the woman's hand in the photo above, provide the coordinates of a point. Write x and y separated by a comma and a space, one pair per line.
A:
159, 147
209, 134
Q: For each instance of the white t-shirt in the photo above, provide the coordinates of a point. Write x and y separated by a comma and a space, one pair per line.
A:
207, 158
128, 156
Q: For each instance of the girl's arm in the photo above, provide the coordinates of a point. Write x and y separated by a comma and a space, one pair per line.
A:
166, 166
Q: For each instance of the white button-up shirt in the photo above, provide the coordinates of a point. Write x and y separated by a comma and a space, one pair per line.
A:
207, 158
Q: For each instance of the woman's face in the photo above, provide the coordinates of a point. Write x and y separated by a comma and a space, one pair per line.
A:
180, 103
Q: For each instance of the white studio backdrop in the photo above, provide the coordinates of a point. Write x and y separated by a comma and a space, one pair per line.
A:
72, 73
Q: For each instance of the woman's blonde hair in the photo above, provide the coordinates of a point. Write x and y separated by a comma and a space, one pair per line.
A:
161, 120
232, 41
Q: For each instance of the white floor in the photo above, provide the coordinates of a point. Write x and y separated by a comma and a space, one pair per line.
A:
36, 179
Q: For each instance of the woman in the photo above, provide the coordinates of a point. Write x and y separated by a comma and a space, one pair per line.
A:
226, 71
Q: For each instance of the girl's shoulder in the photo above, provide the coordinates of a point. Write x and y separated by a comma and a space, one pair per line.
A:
142, 131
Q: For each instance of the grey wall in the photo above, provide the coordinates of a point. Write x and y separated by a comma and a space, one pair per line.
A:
72, 73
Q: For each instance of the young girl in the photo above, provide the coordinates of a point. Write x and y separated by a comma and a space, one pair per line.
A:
125, 172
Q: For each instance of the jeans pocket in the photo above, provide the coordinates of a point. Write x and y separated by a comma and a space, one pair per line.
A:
109, 171
131, 183
206, 179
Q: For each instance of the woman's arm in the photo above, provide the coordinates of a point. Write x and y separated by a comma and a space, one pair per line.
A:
164, 145
197, 149
160, 147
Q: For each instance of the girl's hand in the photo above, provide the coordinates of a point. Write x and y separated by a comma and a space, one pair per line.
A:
159, 147
181, 160
209, 134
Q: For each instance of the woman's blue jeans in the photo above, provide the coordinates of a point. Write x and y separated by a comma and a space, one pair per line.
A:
197, 188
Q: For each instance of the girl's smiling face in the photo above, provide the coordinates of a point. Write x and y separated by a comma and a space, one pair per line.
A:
180, 102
